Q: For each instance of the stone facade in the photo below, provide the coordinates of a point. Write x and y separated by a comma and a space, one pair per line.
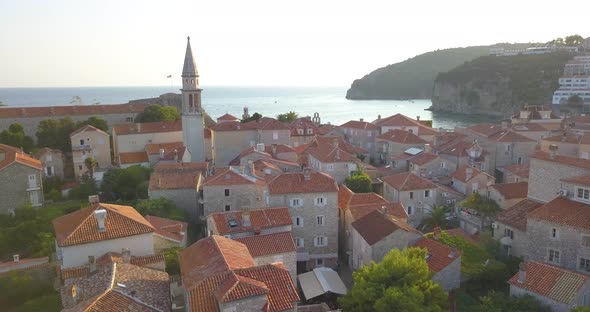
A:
337, 170
249, 304
239, 196
90, 143
161, 243
555, 306
519, 242
363, 253
449, 278
185, 199
363, 138
545, 178
289, 260
136, 142
417, 203
439, 167
20, 184
53, 163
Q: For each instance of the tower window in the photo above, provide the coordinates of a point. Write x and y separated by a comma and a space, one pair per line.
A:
190, 100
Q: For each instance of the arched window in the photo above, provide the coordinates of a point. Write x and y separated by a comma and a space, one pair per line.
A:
190, 101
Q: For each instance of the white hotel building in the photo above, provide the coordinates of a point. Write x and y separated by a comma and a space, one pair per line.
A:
576, 81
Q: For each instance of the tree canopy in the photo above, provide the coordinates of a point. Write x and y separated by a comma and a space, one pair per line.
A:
402, 280
160, 207
15, 136
486, 207
288, 117
129, 183
254, 116
437, 217
154, 113
498, 302
55, 133
359, 182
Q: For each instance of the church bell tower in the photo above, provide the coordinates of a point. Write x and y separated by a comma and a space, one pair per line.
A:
192, 111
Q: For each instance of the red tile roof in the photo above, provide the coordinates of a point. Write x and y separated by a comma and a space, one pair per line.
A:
337, 140
171, 176
564, 160
154, 148
303, 123
133, 158
512, 190
231, 176
566, 137
344, 196
366, 199
259, 219
287, 183
81, 227
550, 281
516, 215
148, 127
264, 123
564, 211
71, 110
236, 287
269, 244
521, 170
15, 155
328, 153
408, 181
579, 180
228, 117
87, 128
402, 137
439, 256
46, 150
510, 136
356, 124
530, 126
399, 120
26, 261
396, 210
461, 173
423, 158
376, 226
170, 229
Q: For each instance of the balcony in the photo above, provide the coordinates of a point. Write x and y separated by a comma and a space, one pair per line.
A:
81, 147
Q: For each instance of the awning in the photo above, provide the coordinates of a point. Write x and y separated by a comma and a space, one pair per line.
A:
321, 281
506, 241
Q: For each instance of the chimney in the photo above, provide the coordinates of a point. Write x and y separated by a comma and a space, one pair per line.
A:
274, 150
337, 154
362, 120
379, 117
16, 258
91, 264
417, 118
126, 254
436, 232
138, 126
522, 272
251, 167
101, 216
553, 150
335, 143
260, 147
468, 173
436, 141
306, 174
383, 210
175, 155
93, 199
246, 217
161, 153
242, 169
427, 148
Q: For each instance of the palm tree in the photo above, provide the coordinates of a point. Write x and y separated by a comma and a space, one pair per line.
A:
437, 217
90, 164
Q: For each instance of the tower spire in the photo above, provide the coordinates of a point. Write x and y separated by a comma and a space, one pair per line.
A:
189, 69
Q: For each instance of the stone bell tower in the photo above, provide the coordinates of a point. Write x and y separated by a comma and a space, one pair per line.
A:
192, 111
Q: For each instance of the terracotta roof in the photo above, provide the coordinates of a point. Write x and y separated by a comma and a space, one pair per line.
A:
447, 140
529, 126
342, 144
148, 127
521, 170
287, 183
510, 136
231, 176
512, 190
46, 150
303, 123
402, 137
236, 287
228, 117
551, 281
133, 158
396, 210
328, 153
564, 211
366, 198
516, 215
170, 229
87, 128
71, 110
564, 160
81, 227
439, 255
399, 120
423, 158
269, 244
259, 219
356, 124
461, 173
118, 287
566, 137
344, 196
264, 123
154, 148
376, 225
26, 261
171, 176
15, 155
579, 180
485, 129
458, 149
408, 181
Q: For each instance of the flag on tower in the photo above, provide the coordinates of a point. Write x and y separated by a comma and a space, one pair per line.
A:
169, 76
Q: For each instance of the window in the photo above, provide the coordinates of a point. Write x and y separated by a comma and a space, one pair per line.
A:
584, 265
320, 201
519, 160
553, 256
48, 157
80, 167
554, 233
82, 142
443, 165
411, 195
32, 181
320, 220
83, 152
507, 147
585, 240
369, 134
319, 262
410, 210
299, 242
516, 179
296, 202
300, 131
330, 167
227, 208
509, 233
427, 193
583, 193
226, 192
34, 197
298, 221
310, 131
49, 171
320, 241
275, 135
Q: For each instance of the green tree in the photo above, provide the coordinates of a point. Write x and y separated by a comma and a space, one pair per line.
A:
86, 188
574, 40
287, 117
255, 116
580, 309
15, 136
359, 182
557, 41
55, 133
154, 113
160, 207
575, 101
127, 184
401, 280
171, 258
2, 104
485, 207
94, 121
91, 164
499, 302
437, 217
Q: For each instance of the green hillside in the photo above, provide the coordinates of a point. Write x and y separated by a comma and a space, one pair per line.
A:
414, 78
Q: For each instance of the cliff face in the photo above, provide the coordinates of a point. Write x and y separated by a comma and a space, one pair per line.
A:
498, 85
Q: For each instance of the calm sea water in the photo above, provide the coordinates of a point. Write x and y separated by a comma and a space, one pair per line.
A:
329, 102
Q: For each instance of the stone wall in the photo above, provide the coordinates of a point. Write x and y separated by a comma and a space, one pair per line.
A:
552, 304
161, 243
227, 145
449, 278
240, 196
289, 260
545, 176
185, 199
249, 304
15, 189
419, 203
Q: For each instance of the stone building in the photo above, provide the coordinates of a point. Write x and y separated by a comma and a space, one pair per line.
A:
418, 195
52, 161
506, 194
362, 134
135, 137
427, 164
399, 121
303, 131
236, 224
312, 198
20, 178
510, 228
515, 173
168, 233
333, 161
443, 261
468, 180
92, 142
395, 142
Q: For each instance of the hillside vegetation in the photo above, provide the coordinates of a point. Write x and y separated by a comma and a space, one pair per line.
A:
414, 78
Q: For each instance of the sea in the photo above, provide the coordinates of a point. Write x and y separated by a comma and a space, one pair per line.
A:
329, 102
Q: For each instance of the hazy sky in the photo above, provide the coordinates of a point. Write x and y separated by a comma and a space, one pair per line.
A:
138, 43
